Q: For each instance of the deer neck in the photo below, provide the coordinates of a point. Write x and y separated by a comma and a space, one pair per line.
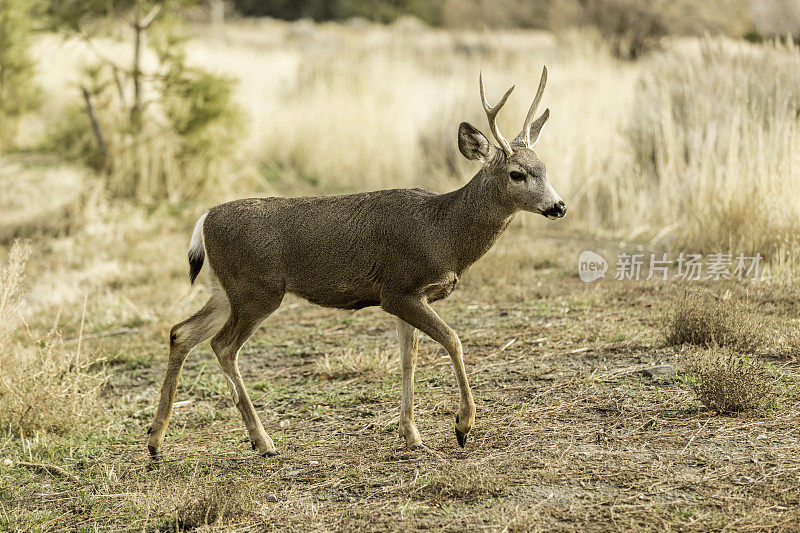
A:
475, 216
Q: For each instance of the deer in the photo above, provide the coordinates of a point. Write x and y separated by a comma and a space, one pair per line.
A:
400, 249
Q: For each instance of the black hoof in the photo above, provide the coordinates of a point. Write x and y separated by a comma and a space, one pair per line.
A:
419, 447
253, 445
155, 453
270, 453
461, 438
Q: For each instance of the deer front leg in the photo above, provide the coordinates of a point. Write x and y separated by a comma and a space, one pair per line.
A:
408, 336
416, 312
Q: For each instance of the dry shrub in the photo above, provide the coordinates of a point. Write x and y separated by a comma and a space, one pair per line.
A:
467, 480
45, 385
706, 320
354, 363
215, 505
729, 383
632, 27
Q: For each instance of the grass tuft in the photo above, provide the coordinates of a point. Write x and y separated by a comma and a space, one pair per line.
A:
706, 320
215, 505
729, 383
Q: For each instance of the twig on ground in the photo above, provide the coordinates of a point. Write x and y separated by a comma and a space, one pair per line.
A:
52, 469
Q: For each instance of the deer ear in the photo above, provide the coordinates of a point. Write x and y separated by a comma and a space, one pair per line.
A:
536, 130
538, 126
473, 145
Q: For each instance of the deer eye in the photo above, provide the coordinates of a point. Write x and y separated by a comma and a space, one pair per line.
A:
517, 176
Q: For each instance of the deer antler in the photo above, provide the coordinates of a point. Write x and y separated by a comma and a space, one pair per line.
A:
526, 128
491, 113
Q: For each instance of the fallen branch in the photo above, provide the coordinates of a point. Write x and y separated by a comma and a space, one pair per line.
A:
52, 469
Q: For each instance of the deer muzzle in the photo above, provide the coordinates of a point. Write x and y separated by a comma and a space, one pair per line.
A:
558, 210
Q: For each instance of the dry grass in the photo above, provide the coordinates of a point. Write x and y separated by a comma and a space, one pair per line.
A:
45, 384
467, 481
25, 211
704, 319
729, 383
214, 506
568, 435
715, 136
351, 362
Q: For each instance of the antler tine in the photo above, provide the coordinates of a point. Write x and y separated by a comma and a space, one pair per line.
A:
526, 128
491, 114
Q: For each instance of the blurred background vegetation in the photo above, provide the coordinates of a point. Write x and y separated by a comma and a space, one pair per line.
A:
675, 124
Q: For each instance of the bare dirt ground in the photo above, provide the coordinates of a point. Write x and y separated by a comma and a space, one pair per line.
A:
569, 435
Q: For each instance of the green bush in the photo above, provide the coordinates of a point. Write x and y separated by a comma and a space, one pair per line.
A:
376, 10
159, 133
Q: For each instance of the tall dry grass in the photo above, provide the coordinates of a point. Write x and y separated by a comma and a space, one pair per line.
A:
45, 384
716, 139
347, 109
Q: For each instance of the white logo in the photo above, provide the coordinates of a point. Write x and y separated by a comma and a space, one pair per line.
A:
591, 266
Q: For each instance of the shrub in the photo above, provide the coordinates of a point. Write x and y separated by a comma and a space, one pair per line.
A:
706, 320
635, 27
376, 10
728, 383
632, 27
162, 132
44, 384
777, 17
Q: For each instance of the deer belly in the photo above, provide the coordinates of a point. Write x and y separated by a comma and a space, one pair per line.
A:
341, 294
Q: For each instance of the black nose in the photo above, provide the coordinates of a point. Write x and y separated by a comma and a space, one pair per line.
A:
557, 211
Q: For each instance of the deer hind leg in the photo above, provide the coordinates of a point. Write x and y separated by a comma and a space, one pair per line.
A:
408, 336
226, 344
183, 337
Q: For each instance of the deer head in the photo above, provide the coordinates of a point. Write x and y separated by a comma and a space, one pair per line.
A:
517, 172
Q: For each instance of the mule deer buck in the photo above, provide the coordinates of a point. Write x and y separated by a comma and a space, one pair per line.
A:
401, 249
